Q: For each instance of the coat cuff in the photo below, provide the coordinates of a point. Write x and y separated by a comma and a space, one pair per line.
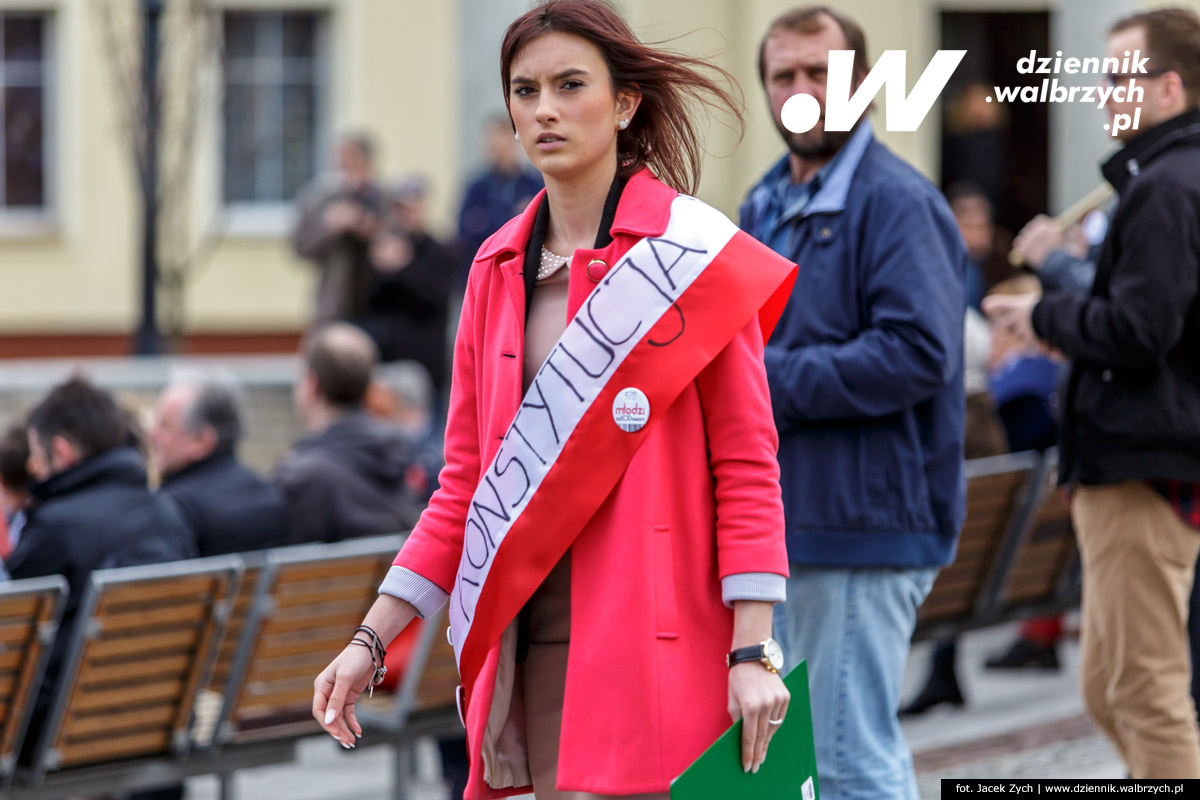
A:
424, 595
766, 587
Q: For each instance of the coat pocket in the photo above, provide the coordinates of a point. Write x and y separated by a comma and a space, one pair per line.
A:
666, 605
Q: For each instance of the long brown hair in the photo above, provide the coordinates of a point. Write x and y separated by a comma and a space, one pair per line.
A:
662, 134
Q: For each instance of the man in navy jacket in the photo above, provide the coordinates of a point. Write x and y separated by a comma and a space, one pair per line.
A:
866, 376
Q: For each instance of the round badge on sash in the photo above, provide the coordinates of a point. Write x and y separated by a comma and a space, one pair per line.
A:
631, 409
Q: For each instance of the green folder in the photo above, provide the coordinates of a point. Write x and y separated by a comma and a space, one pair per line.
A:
789, 772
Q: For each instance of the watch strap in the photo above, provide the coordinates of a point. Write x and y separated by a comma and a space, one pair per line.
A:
755, 652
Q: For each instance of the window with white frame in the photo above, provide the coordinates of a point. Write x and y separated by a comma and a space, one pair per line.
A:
273, 73
24, 57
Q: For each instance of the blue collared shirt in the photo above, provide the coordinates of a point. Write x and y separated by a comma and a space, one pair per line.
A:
782, 202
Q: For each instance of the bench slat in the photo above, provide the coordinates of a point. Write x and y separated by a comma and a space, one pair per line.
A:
116, 720
138, 695
146, 646
319, 571
112, 748
199, 586
16, 634
186, 615
18, 608
355, 591
112, 672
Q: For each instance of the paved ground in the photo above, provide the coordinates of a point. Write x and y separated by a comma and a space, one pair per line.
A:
1023, 725
1014, 725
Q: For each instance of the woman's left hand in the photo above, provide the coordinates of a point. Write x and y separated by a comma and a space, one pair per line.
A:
759, 697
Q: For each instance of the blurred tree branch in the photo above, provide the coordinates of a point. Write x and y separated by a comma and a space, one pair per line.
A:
190, 68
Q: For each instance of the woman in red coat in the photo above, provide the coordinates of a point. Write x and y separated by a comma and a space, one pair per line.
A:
609, 525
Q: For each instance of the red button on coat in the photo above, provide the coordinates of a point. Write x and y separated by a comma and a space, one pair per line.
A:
597, 269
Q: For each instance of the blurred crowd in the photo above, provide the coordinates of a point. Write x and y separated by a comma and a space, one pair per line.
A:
370, 398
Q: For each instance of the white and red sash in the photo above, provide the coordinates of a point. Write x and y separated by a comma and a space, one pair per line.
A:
667, 308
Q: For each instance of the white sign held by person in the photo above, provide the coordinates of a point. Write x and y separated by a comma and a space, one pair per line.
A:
801, 112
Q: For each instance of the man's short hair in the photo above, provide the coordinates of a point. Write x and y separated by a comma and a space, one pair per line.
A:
362, 141
408, 380
808, 20
341, 357
14, 459
81, 413
215, 404
1172, 43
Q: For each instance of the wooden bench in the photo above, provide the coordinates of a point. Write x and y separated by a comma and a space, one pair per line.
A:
1016, 556
143, 644
252, 636
996, 489
306, 605
30, 612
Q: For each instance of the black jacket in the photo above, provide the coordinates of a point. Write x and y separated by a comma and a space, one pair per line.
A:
95, 515
1132, 405
348, 481
408, 311
229, 508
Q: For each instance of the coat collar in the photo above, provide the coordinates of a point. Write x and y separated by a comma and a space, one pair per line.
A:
1148, 145
120, 465
644, 210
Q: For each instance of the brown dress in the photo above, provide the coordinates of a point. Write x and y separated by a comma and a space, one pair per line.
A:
544, 672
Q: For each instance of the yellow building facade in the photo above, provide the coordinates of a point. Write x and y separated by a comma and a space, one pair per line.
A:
419, 75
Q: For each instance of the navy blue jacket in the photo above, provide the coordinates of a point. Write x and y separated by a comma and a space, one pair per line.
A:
229, 508
97, 514
866, 365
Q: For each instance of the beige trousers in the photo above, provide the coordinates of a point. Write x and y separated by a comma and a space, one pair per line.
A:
1139, 559
545, 678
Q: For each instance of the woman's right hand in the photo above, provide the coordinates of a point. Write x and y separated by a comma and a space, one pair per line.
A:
337, 688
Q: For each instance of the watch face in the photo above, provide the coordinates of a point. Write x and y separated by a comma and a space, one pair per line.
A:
773, 653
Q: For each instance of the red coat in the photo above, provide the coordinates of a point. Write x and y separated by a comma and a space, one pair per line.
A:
647, 684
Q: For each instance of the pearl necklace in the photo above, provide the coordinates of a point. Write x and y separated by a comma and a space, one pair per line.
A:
551, 263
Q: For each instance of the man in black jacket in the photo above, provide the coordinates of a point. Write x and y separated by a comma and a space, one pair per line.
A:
408, 299
90, 505
194, 442
1131, 427
349, 477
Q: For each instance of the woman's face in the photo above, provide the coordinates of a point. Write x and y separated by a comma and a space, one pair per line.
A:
562, 102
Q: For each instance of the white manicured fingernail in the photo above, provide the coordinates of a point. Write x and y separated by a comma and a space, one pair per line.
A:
746, 768
330, 716
344, 745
